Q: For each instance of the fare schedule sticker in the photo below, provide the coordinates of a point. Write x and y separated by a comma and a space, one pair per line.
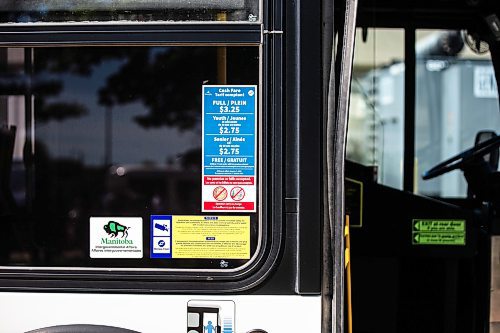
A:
229, 148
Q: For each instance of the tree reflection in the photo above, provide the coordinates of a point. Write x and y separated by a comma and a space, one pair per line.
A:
166, 80
168, 83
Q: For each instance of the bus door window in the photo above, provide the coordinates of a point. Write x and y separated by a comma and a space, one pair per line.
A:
376, 116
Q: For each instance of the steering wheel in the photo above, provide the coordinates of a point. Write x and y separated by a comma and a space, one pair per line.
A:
463, 158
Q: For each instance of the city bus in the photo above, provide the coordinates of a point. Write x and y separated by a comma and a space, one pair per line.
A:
249, 166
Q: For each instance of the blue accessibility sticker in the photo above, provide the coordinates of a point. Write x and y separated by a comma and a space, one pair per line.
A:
161, 236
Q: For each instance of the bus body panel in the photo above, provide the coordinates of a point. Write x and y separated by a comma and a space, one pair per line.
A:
22, 312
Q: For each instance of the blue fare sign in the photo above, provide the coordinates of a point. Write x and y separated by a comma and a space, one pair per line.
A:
229, 147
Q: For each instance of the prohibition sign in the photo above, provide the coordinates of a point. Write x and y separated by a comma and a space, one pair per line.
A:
220, 193
237, 193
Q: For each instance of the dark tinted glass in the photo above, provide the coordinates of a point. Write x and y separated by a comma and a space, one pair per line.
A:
94, 131
128, 10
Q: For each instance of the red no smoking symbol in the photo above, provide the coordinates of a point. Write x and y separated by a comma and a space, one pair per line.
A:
220, 193
237, 193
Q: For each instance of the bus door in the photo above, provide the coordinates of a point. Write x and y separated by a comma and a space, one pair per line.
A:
422, 187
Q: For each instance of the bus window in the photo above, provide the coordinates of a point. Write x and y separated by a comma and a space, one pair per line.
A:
113, 136
129, 10
456, 97
376, 116
145, 163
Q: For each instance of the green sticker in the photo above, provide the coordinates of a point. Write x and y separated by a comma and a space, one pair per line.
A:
438, 232
439, 225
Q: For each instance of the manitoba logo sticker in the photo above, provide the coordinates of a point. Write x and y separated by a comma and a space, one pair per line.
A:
113, 228
116, 237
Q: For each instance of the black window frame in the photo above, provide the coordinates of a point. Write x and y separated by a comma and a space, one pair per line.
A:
158, 34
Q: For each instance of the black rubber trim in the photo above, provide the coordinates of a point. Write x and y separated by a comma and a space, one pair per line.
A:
115, 34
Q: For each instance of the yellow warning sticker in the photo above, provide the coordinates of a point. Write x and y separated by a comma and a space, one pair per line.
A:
211, 237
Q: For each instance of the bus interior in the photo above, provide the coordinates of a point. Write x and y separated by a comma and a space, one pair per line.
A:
422, 186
